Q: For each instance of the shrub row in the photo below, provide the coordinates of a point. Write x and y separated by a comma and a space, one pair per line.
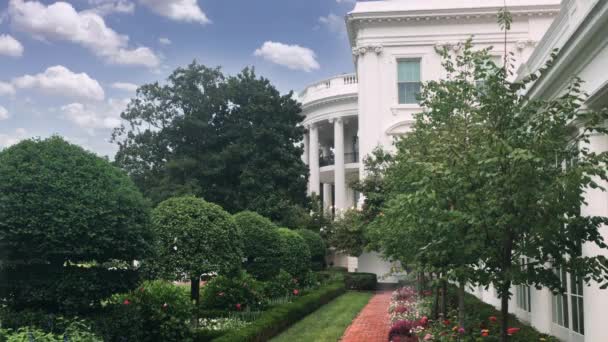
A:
361, 281
278, 318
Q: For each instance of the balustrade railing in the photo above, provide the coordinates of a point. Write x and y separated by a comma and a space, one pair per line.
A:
352, 157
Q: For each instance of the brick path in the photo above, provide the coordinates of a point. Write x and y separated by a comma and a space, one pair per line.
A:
371, 325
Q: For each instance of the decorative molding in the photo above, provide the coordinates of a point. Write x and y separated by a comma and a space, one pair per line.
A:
522, 44
363, 49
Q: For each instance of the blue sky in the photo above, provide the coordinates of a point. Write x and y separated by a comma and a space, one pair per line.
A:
69, 67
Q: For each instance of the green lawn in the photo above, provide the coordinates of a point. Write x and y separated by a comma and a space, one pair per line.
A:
329, 322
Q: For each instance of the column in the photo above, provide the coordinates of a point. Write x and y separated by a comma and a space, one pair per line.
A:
313, 161
340, 173
327, 197
306, 155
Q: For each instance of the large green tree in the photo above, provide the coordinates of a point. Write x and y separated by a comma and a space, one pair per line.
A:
235, 141
70, 226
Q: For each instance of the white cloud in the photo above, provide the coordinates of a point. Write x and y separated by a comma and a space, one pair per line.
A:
107, 7
10, 46
6, 89
95, 116
59, 80
179, 10
3, 113
125, 86
346, 1
333, 23
60, 21
7, 140
164, 41
294, 57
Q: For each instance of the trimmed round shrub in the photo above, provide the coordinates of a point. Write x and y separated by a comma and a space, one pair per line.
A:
195, 237
69, 215
231, 293
261, 244
156, 311
280, 285
361, 281
317, 248
295, 255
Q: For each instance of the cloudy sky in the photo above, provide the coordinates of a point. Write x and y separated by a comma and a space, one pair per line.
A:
70, 67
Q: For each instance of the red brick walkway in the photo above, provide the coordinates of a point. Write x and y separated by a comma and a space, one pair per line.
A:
372, 323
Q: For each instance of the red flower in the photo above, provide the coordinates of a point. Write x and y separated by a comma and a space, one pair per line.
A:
424, 320
296, 292
512, 331
126, 302
446, 321
238, 307
485, 333
493, 319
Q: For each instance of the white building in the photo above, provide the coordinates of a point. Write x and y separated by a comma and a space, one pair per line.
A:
393, 44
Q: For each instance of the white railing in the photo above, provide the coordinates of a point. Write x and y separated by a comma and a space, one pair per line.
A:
339, 85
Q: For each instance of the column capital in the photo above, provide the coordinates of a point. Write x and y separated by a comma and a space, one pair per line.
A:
334, 120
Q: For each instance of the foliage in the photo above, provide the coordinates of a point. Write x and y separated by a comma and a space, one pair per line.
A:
317, 248
195, 237
373, 186
348, 233
260, 244
361, 281
75, 331
158, 310
278, 318
329, 322
295, 255
235, 141
281, 285
231, 293
63, 208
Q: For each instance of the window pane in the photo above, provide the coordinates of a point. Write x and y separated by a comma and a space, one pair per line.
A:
581, 314
574, 313
409, 70
408, 93
566, 317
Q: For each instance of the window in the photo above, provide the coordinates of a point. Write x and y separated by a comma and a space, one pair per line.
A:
523, 292
408, 80
568, 309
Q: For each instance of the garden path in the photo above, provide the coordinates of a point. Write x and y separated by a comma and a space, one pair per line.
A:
372, 323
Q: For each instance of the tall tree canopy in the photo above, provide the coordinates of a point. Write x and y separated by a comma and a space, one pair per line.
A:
235, 141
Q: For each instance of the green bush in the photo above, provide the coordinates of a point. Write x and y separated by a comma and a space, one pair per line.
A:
75, 331
63, 205
281, 285
279, 318
295, 255
361, 281
156, 311
317, 248
260, 244
231, 293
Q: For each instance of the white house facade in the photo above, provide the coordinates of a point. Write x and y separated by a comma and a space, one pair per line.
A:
393, 44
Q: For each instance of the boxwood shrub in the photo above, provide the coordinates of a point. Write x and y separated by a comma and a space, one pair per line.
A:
317, 248
295, 255
361, 281
261, 244
280, 317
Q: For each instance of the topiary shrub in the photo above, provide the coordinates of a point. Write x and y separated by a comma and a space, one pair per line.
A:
260, 244
361, 281
281, 285
231, 293
67, 217
295, 255
156, 311
317, 248
195, 237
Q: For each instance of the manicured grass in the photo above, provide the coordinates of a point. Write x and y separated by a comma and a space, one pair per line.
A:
329, 322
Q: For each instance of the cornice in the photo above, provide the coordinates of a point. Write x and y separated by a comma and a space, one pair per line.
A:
329, 100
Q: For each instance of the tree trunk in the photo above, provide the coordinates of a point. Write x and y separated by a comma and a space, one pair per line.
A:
444, 298
195, 285
461, 292
504, 319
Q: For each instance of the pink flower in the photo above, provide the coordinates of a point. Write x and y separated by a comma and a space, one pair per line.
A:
428, 337
485, 333
238, 307
492, 319
424, 320
512, 331
126, 302
461, 331
296, 292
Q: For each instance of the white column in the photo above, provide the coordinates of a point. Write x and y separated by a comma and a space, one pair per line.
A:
327, 196
306, 155
313, 161
340, 173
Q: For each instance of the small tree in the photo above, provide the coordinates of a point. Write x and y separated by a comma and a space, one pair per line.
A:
295, 255
348, 233
261, 244
195, 237
71, 225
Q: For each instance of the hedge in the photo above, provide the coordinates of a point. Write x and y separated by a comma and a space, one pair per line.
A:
279, 318
361, 281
